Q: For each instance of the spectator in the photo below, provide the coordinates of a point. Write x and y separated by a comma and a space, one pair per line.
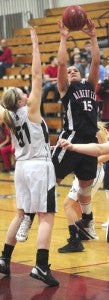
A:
103, 94
76, 50
77, 60
107, 69
5, 57
101, 71
84, 67
6, 148
50, 79
86, 51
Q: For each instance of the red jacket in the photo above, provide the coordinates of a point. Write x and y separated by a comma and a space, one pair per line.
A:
6, 56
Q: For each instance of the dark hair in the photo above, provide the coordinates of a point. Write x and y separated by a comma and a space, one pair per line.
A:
51, 58
103, 87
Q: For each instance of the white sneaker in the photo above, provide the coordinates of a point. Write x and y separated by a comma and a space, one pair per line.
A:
86, 230
105, 224
22, 233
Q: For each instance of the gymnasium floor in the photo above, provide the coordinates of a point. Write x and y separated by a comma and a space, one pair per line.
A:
82, 276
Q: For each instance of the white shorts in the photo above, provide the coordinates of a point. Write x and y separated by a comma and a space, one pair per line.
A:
35, 186
96, 184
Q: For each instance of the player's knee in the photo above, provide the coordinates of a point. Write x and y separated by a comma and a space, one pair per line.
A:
85, 191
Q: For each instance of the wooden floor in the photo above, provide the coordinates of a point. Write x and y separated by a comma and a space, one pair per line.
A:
82, 276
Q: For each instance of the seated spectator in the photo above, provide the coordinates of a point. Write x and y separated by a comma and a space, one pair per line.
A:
50, 79
103, 95
77, 60
76, 50
84, 67
101, 70
5, 57
6, 148
87, 51
107, 69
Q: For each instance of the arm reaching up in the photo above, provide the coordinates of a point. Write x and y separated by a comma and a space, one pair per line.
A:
94, 68
34, 100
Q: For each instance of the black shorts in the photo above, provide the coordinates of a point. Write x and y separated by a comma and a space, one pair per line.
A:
66, 162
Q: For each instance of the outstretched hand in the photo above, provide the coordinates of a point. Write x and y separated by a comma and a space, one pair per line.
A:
90, 30
63, 30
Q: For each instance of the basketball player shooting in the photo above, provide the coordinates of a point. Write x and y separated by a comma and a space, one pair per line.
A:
80, 126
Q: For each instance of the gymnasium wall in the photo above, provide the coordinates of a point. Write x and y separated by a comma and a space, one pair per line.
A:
62, 3
16, 13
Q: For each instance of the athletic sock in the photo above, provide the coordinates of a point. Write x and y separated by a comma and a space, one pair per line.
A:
73, 231
42, 256
7, 252
86, 208
87, 217
31, 215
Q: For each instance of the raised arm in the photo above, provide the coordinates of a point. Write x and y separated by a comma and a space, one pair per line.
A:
94, 68
62, 83
34, 100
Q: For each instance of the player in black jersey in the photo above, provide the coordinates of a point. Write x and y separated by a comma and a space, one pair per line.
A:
80, 126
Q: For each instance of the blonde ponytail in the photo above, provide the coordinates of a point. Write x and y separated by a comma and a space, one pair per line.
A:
9, 121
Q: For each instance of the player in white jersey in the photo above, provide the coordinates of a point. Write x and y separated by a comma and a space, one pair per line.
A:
72, 207
34, 170
99, 150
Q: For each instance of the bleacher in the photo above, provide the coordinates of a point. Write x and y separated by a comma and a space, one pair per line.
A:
49, 38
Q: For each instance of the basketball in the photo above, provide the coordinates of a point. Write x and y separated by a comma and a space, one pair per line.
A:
74, 17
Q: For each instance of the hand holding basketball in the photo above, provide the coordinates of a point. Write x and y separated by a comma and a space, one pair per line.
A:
74, 17
90, 30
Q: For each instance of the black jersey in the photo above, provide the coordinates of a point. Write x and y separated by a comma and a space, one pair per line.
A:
80, 109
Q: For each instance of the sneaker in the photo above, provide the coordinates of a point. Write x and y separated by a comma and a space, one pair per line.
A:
4, 266
105, 224
107, 233
22, 233
12, 172
44, 274
5, 171
86, 230
74, 245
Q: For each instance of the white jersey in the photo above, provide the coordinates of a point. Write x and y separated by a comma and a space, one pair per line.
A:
31, 139
34, 171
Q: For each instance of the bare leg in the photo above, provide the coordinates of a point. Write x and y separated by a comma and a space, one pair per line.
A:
46, 221
42, 269
10, 243
85, 200
12, 230
72, 210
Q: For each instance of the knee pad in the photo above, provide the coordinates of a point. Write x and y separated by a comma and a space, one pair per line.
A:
85, 191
